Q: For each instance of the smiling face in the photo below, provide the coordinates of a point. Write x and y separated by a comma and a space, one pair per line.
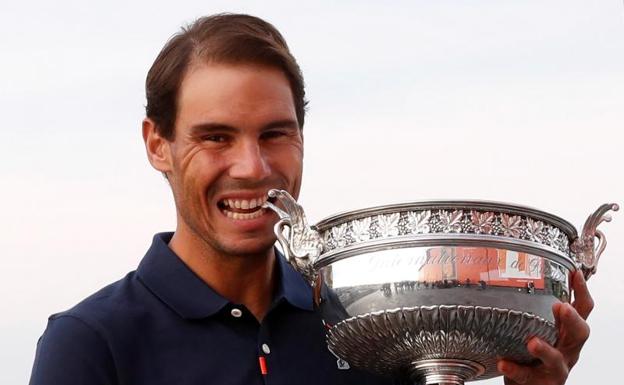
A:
236, 137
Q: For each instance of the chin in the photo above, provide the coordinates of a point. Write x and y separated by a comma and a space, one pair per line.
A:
249, 247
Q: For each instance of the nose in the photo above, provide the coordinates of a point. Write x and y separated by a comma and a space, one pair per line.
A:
250, 162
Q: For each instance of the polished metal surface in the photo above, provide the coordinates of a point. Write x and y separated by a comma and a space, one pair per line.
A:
587, 252
444, 371
430, 224
397, 341
302, 244
436, 291
429, 276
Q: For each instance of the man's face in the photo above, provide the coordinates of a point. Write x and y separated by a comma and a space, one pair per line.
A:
236, 137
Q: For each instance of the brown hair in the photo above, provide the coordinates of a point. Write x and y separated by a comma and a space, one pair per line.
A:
221, 38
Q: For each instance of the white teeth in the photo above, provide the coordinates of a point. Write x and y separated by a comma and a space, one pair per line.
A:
245, 204
253, 204
244, 216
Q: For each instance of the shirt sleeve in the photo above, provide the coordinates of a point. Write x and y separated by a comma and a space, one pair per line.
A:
72, 352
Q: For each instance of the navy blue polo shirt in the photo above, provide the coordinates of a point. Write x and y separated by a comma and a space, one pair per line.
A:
161, 324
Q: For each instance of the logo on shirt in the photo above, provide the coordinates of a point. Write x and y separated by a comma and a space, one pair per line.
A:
340, 363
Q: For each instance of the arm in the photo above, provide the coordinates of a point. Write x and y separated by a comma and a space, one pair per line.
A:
71, 352
556, 361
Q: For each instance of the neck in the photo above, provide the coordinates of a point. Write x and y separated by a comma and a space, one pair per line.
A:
248, 280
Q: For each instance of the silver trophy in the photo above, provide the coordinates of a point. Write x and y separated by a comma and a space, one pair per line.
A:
435, 292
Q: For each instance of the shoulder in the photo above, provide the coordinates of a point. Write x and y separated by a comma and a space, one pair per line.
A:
70, 351
114, 304
88, 325
76, 345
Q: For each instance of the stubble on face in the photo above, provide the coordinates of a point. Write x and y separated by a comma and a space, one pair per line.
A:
247, 142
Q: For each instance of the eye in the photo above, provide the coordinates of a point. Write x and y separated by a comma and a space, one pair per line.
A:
274, 134
217, 138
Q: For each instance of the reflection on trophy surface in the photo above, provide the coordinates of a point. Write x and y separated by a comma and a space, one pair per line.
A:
447, 275
435, 292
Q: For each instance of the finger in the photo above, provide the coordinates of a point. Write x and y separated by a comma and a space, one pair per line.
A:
583, 301
514, 374
573, 323
551, 358
573, 333
556, 309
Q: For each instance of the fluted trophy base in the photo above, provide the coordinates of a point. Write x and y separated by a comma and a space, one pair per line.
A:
438, 344
444, 371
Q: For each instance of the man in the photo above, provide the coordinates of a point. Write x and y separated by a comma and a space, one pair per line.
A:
213, 302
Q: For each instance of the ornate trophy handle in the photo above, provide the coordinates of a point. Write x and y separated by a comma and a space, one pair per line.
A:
301, 244
586, 250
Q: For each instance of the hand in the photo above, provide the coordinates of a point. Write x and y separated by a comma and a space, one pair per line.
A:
556, 361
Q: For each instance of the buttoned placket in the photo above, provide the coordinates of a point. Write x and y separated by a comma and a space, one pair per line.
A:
264, 351
238, 314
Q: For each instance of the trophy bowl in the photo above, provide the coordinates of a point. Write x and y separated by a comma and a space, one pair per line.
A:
436, 292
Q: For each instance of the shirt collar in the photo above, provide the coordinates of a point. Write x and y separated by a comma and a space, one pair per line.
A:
164, 273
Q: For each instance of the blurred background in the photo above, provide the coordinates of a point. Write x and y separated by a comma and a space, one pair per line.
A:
501, 100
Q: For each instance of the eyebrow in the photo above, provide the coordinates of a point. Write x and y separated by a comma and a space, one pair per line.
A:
202, 128
284, 123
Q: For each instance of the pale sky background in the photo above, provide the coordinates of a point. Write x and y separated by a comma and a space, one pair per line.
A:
519, 101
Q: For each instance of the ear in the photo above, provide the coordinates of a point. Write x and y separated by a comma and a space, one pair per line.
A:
157, 147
